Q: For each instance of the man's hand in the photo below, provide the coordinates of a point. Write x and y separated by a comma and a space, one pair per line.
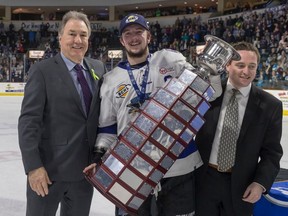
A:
39, 180
253, 193
91, 169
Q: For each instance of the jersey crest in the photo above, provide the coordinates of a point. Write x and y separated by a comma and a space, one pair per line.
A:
164, 70
122, 90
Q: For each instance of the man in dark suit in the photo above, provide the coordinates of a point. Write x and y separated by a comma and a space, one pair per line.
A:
58, 124
233, 191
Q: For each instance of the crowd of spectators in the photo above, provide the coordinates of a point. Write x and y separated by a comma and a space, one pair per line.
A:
172, 11
241, 6
266, 29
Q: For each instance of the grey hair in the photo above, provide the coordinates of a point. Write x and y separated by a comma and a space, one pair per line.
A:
76, 16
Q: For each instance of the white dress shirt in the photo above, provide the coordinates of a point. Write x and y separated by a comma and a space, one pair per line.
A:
242, 99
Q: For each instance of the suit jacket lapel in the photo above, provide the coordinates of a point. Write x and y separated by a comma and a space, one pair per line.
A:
67, 80
95, 82
251, 109
90, 67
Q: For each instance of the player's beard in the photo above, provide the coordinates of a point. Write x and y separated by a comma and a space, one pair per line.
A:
139, 54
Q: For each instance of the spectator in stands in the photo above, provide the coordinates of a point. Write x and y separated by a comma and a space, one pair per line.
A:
177, 21
282, 59
234, 189
32, 38
184, 22
285, 77
189, 10
263, 43
248, 33
2, 27
158, 12
230, 38
176, 196
265, 71
51, 16
246, 6
58, 124
229, 5
11, 27
283, 41
42, 29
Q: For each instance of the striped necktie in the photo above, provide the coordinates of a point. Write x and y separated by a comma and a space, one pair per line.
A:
229, 135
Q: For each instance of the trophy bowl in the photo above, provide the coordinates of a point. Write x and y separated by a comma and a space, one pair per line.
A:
215, 56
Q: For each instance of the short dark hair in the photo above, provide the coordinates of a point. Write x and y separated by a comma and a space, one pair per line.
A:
248, 47
76, 16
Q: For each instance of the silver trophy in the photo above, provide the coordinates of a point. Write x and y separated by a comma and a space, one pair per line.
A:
166, 124
215, 56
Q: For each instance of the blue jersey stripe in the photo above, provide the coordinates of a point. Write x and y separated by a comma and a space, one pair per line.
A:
191, 148
112, 129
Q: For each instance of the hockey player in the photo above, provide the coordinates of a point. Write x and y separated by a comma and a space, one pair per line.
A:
123, 90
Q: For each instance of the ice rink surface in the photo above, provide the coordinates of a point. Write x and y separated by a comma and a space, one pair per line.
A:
13, 179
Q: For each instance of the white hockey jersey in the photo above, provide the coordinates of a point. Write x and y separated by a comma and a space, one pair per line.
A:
117, 92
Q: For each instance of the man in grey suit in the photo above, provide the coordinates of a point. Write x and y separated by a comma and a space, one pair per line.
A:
58, 124
233, 191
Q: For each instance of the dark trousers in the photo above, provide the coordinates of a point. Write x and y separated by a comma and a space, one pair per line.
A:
75, 199
213, 194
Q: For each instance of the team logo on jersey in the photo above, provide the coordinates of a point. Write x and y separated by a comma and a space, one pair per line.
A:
123, 90
164, 70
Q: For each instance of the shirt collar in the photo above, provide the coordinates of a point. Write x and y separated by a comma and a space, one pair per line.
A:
244, 90
70, 64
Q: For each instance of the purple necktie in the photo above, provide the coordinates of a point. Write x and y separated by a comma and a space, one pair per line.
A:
87, 95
